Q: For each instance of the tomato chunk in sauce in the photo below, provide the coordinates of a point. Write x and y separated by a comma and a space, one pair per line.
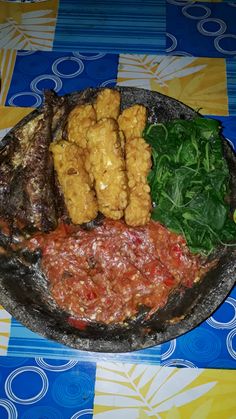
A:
108, 273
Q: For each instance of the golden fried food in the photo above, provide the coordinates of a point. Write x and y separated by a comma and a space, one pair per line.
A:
107, 165
79, 121
138, 164
132, 121
75, 182
107, 104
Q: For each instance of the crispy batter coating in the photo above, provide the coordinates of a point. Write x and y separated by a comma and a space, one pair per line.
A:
138, 164
75, 182
79, 121
107, 104
132, 121
108, 167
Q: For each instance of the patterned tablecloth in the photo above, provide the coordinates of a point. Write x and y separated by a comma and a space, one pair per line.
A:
186, 50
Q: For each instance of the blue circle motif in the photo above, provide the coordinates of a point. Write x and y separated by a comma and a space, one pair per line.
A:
205, 9
56, 367
89, 57
218, 46
231, 347
82, 414
106, 83
72, 389
10, 408
230, 324
33, 96
44, 79
178, 363
173, 39
24, 52
30, 400
171, 346
200, 345
64, 62
220, 30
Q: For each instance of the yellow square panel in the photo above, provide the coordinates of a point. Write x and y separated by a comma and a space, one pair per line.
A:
28, 26
7, 63
201, 83
130, 391
9, 116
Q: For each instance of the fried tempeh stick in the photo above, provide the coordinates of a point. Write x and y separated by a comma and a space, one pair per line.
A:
80, 120
108, 167
75, 182
132, 121
138, 164
107, 104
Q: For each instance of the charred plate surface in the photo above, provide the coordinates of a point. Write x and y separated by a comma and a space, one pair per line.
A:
24, 288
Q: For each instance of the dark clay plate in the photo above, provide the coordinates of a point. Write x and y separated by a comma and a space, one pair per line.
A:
24, 291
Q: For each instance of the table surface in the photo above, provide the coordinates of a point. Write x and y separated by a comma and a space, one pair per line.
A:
186, 50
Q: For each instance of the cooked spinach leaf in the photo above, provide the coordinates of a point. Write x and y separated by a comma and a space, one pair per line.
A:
189, 182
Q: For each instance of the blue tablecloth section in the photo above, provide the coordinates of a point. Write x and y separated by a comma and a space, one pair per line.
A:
211, 345
201, 29
67, 72
41, 388
111, 26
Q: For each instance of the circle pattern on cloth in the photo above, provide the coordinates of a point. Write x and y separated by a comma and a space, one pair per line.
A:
185, 11
108, 83
202, 345
178, 363
174, 42
71, 389
23, 53
36, 103
170, 350
201, 27
8, 385
61, 60
181, 53
10, 408
45, 77
63, 367
88, 57
223, 50
228, 324
82, 413
229, 343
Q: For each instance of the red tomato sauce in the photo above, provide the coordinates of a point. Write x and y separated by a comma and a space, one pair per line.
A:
106, 274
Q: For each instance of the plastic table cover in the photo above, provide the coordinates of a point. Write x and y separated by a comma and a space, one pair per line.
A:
183, 49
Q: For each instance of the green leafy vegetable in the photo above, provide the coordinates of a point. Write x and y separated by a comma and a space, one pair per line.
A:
189, 182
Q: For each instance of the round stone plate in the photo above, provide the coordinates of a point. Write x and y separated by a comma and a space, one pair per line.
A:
24, 290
